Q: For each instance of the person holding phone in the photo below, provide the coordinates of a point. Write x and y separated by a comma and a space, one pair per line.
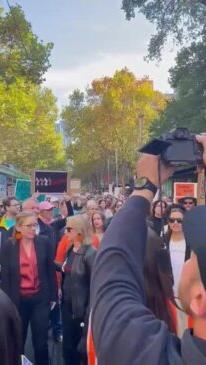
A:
125, 331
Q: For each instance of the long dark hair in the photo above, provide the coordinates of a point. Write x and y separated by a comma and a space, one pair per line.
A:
103, 218
156, 203
158, 279
10, 332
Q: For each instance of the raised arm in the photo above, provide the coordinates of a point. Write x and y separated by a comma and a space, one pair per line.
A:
125, 332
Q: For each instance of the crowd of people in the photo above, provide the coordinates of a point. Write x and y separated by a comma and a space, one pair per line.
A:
49, 255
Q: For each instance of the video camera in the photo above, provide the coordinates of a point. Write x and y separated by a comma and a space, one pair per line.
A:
178, 148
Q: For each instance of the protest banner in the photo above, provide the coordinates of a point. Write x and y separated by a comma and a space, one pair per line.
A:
50, 182
182, 189
75, 187
22, 189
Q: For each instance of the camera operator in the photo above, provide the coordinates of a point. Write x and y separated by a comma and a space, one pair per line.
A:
125, 331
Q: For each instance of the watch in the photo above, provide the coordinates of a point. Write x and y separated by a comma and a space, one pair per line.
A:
145, 183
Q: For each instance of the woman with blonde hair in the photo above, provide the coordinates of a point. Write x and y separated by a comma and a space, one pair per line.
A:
28, 278
76, 273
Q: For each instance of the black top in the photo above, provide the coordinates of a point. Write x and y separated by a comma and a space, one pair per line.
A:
10, 269
67, 283
157, 224
76, 282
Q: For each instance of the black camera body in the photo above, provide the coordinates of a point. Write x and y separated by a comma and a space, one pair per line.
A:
178, 148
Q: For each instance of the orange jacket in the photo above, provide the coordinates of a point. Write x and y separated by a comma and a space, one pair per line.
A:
61, 254
62, 249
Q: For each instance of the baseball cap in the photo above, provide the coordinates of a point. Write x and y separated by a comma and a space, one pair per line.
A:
45, 206
194, 227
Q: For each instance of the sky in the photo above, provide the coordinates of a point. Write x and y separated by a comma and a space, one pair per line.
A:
92, 39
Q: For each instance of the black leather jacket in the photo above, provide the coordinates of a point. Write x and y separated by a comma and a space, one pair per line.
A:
78, 282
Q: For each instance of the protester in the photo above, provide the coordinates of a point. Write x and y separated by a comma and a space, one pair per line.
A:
158, 216
168, 200
51, 228
28, 277
102, 204
8, 220
108, 210
118, 205
12, 208
177, 246
75, 293
10, 332
31, 205
91, 207
77, 203
2, 211
130, 334
188, 202
98, 225
158, 288
179, 252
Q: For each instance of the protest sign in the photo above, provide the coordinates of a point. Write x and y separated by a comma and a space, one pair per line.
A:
22, 189
49, 182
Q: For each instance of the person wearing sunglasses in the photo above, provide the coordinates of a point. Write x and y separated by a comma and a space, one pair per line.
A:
188, 202
178, 249
29, 279
123, 328
76, 272
179, 252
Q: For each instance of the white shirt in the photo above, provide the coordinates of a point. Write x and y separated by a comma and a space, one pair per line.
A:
177, 255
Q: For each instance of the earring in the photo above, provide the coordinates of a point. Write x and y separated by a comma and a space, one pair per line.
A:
18, 235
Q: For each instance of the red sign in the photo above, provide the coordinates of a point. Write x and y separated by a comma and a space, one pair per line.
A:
184, 189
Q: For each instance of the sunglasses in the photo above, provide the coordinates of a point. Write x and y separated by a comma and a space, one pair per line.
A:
69, 229
173, 220
188, 203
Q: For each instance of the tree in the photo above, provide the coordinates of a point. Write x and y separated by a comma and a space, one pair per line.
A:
21, 53
181, 20
188, 78
27, 124
111, 118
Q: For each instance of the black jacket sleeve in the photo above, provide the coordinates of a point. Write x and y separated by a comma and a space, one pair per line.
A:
125, 332
89, 262
52, 279
5, 269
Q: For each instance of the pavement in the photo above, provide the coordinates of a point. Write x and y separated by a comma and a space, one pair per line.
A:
55, 350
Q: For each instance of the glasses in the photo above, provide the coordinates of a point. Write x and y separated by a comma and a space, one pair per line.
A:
30, 226
173, 220
188, 203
